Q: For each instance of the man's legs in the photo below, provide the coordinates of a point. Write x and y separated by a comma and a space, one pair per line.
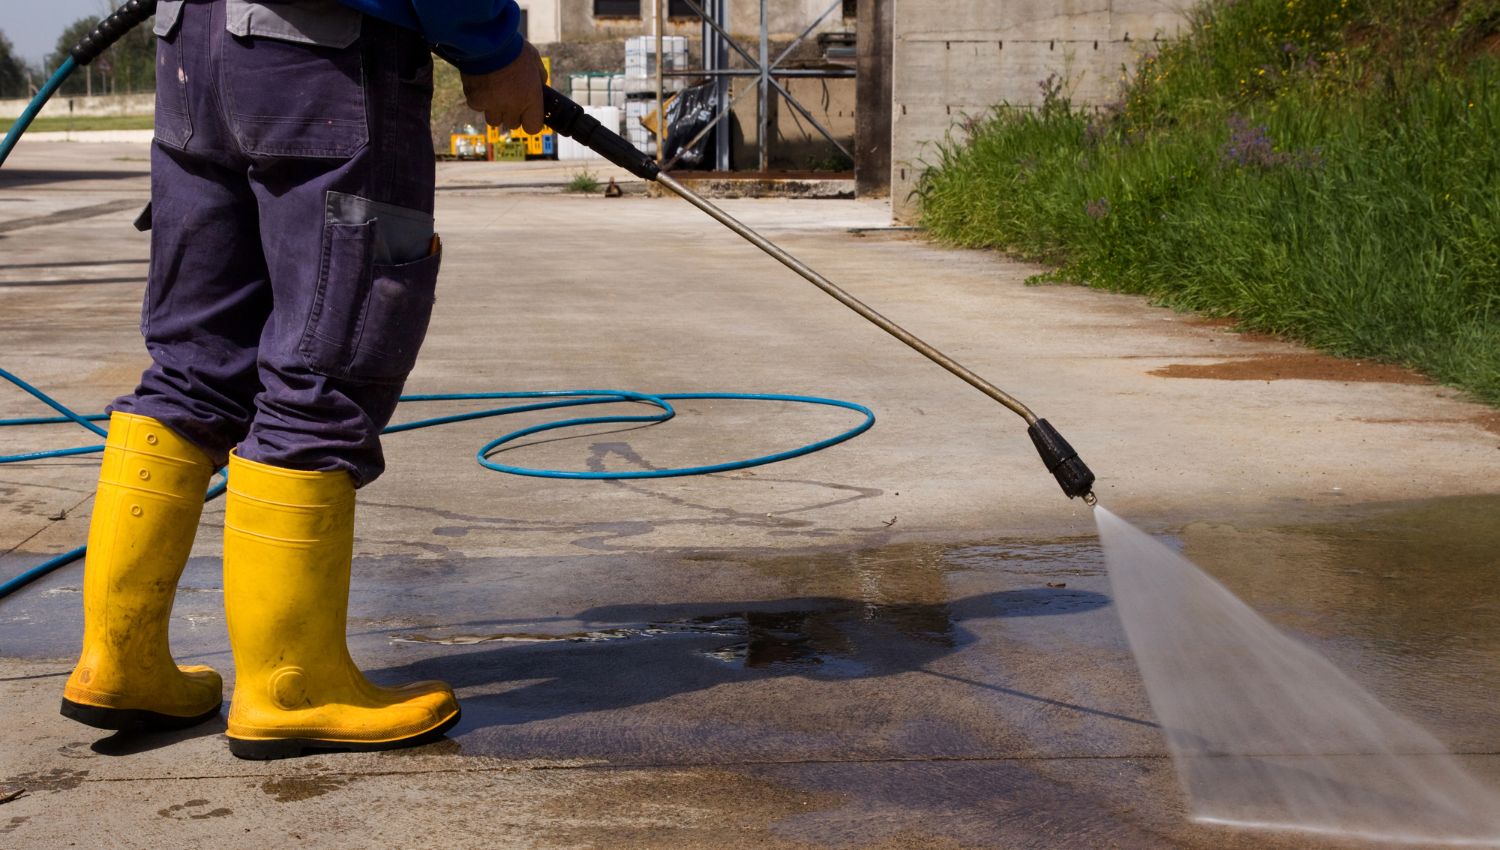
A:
332, 174
206, 300
353, 264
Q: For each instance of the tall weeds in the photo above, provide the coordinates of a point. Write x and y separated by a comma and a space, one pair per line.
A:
1327, 170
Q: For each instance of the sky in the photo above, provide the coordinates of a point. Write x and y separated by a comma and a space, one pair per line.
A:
34, 25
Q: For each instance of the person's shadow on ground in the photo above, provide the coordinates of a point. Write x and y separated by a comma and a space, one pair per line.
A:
641, 654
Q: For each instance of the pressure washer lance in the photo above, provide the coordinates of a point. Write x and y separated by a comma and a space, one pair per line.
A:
568, 118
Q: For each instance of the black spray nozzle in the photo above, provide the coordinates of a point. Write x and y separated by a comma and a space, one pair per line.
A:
109, 30
1064, 464
568, 118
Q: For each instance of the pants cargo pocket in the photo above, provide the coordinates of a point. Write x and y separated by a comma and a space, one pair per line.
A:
368, 319
173, 124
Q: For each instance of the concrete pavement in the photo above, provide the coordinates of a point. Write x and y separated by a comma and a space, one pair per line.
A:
902, 641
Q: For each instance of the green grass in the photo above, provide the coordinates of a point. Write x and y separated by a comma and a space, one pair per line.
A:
51, 123
1325, 170
584, 182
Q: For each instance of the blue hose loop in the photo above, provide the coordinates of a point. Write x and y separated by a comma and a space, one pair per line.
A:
662, 400
545, 400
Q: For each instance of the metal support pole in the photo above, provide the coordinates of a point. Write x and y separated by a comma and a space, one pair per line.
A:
806, 32
764, 113
797, 105
764, 69
722, 139
872, 100
661, 106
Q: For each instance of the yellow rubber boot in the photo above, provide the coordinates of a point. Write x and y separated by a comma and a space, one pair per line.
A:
146, 514
288, 542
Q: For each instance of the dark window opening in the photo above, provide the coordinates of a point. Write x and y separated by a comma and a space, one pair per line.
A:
680, 9
851, 8
617, 8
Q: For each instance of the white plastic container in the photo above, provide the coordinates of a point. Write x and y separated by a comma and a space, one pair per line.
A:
638, 135
578, 88
640, 55
567, 149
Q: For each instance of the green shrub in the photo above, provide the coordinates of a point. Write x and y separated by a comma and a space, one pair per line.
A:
1321, 169
583, 182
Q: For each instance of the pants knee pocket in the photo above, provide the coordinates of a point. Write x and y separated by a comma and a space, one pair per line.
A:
368, 319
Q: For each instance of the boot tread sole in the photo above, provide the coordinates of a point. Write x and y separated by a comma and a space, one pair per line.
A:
132, 719
281, 748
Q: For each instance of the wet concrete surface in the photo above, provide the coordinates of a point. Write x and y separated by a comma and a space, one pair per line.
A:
964, 695
906, 641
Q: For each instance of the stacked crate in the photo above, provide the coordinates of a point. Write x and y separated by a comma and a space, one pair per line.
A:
609, 116
640, 82
598, 89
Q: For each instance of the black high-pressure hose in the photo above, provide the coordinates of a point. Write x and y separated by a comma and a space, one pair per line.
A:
569, 119
109, 30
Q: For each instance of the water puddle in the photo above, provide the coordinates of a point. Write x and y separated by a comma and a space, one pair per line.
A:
757, 638
863, 606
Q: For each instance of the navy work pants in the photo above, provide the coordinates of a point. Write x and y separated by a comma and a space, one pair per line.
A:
278, 315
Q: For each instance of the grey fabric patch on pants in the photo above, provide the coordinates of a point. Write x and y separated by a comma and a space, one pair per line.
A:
402, 235
325, 23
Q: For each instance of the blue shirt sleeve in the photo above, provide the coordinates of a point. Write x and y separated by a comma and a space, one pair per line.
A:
477, 36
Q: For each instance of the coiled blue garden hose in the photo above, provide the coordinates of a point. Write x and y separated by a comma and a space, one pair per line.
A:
549, 401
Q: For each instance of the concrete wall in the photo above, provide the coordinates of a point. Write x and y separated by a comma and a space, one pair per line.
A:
953, 58
108, 104
796, 145
543, 26
872, 124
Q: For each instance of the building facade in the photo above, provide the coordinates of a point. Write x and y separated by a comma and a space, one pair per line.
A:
551, 21
957, 58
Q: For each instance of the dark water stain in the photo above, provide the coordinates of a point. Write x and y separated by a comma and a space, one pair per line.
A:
56, 779
1487, 421
420, 545
814, 632
526, 637
847, 616
193, 810
1302, 367
705, 807
888, 601
292, 789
